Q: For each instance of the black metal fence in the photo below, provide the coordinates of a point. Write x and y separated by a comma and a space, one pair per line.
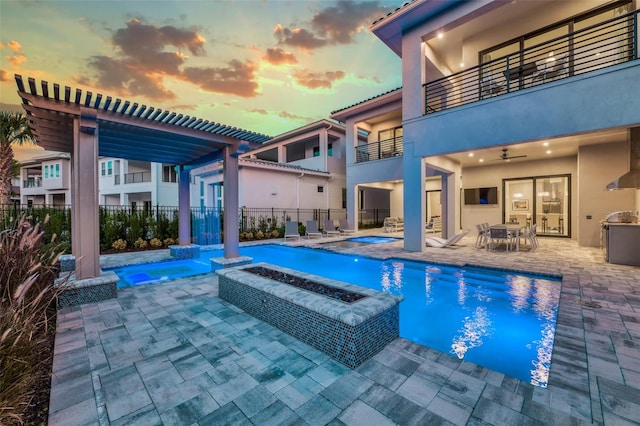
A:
161, 222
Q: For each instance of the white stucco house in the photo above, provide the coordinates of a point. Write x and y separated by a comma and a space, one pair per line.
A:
302, 171
46, 179
526, 111
139, 184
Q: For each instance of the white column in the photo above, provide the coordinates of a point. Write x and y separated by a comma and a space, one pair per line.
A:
414, 199
184, 215
448, 201
230, 196
84, 220
350, 141
324, 148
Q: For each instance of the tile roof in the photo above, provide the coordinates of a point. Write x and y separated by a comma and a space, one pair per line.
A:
367, 100
393, 12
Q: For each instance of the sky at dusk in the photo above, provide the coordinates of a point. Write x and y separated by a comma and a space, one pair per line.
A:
265, 66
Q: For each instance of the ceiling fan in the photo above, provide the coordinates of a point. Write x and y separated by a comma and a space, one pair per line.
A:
505, 155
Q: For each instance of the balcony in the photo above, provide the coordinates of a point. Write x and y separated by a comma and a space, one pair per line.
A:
377, 150
135, 177
599, 46
32, 183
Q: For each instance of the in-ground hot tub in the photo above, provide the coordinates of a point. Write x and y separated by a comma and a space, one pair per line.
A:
349, 332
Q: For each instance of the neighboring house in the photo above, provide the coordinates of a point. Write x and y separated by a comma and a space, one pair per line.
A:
524, 111
138, 184
46, 180
300, 169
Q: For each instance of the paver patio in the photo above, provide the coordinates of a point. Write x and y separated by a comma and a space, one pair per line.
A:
175, 353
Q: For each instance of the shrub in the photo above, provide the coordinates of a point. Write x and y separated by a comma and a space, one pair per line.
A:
259, 235
275, 234
169, 241
119, 244
155, 243
140, 244
249, 235
27, 301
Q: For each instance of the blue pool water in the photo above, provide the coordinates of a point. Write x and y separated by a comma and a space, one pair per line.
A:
161, 271
500, 320
373, 239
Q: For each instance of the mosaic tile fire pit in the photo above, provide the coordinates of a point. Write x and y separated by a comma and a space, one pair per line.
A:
350, 333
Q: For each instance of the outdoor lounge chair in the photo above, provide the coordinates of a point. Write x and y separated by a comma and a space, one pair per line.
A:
330, 228
444, 242
291, 230
344, 227
312, 229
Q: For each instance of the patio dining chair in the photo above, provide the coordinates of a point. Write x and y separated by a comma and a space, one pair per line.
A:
312, 229
498, 234
529, 234
330, 228
344, 227
291, 230
483, 234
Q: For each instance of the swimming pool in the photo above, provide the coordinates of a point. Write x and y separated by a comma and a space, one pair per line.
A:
161, 271
360, 241
500, 320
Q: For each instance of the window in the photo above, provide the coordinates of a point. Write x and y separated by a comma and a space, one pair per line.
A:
387, 134
344, 198
316, 151
330, 150
46, 171
201, 188
169, 174
106, 168
320, 188
57, 170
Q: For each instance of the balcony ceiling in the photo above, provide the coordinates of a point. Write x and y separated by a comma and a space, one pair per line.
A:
493, 25
536, 151
127, 130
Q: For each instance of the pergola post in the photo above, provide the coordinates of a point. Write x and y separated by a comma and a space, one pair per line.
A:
184, 207
84, 210
230, 226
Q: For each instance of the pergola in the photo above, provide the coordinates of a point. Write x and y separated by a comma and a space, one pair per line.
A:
89, 127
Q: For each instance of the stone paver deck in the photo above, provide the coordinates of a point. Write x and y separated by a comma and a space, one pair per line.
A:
175, 353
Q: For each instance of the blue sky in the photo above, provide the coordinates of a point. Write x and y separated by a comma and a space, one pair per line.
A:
265, 66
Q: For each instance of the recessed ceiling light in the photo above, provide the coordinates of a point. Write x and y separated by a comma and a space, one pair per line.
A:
461, 64
481, 160
440, 35
548, 151
471, 154
545, 144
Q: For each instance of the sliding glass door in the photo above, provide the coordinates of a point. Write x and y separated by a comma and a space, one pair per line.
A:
541, 200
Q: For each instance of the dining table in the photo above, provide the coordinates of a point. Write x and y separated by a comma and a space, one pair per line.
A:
513, 229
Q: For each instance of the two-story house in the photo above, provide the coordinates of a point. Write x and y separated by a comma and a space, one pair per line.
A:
523, 110
46, 180
140, 184
303, 169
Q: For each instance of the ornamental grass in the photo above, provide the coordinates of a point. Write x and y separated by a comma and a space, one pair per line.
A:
28, 297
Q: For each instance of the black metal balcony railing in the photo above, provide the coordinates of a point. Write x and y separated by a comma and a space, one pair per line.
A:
381, 149
602, 45
32, 183
136, 177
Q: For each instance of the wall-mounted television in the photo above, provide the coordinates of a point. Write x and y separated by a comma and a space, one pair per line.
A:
481, 195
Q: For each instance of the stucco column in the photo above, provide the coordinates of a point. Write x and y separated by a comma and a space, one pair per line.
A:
448, 202
324, 148
85, 223
184, 217
230, 188
350, 140
414, 199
